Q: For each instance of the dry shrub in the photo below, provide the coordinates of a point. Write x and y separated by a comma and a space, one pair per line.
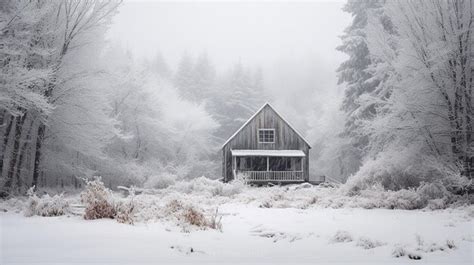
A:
125, 210
174, 206
98, 200
99, 210
125, 213
194, 217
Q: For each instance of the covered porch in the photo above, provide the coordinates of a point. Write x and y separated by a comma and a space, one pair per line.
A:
269, 165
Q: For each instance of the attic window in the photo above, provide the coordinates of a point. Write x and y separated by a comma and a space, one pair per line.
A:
266, 135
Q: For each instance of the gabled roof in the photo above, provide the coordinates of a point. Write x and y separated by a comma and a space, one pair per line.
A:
255, 114
279, 153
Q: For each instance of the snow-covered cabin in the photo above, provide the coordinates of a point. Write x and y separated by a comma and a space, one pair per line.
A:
266, 149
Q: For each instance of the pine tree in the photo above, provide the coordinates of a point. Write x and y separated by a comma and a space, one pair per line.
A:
354, 74
204, 78
159, 65
184, 79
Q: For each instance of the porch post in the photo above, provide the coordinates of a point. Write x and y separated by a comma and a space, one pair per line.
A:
234, 165
268, 163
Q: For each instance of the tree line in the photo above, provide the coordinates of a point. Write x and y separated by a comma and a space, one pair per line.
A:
72, 105
408, 91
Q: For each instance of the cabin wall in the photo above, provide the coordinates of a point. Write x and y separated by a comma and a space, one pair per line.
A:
285, 139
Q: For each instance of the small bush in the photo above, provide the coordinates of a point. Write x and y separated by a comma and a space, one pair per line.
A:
431, 191
398, 252
46, 205
194, 217
341, 236
450, 244
405, 199
457, 184
437, 204
98, 201
125, 211
367, 243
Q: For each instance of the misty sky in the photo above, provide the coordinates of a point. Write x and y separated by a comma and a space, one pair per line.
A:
293, 42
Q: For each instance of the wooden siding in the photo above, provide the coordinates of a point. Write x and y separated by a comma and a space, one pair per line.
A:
285, 139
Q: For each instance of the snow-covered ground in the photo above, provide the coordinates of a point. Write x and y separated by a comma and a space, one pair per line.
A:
249, 234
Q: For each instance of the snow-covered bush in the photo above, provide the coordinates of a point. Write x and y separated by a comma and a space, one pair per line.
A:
341, 236
124, 213
398, 168
125, 209
394, 169
98, 200
45, 205
437, 204
434, 190
203, 185
398, 252
236, 186
457, 184
405, 199
367, 243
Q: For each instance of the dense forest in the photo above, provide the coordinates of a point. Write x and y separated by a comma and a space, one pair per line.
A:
72, 105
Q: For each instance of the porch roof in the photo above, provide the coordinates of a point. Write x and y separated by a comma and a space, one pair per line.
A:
282, 153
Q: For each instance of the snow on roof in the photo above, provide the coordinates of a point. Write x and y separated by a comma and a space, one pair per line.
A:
255, 114
284, 153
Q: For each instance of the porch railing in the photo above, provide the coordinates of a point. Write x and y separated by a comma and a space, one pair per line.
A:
280, 176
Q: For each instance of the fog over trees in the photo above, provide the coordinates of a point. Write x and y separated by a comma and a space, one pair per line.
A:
78, 101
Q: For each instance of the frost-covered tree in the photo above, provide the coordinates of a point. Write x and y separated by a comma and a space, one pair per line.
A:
43, 43
422, 56
195, 80
24, 50
163, 134
204, 78
237, 96
160, 66
184, 78
353, 74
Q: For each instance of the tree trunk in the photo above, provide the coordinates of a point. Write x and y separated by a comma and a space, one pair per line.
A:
39, 144
16, 146
5, 142
22, 156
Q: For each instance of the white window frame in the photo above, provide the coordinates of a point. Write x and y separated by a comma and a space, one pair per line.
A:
266, 129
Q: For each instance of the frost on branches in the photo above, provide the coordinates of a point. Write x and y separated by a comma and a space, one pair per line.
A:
419, 66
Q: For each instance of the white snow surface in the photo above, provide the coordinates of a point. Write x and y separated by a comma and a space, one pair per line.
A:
259, 226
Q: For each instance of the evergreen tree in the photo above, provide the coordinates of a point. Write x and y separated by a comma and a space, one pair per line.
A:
159, 65
184, 79
354, 74
204, 78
